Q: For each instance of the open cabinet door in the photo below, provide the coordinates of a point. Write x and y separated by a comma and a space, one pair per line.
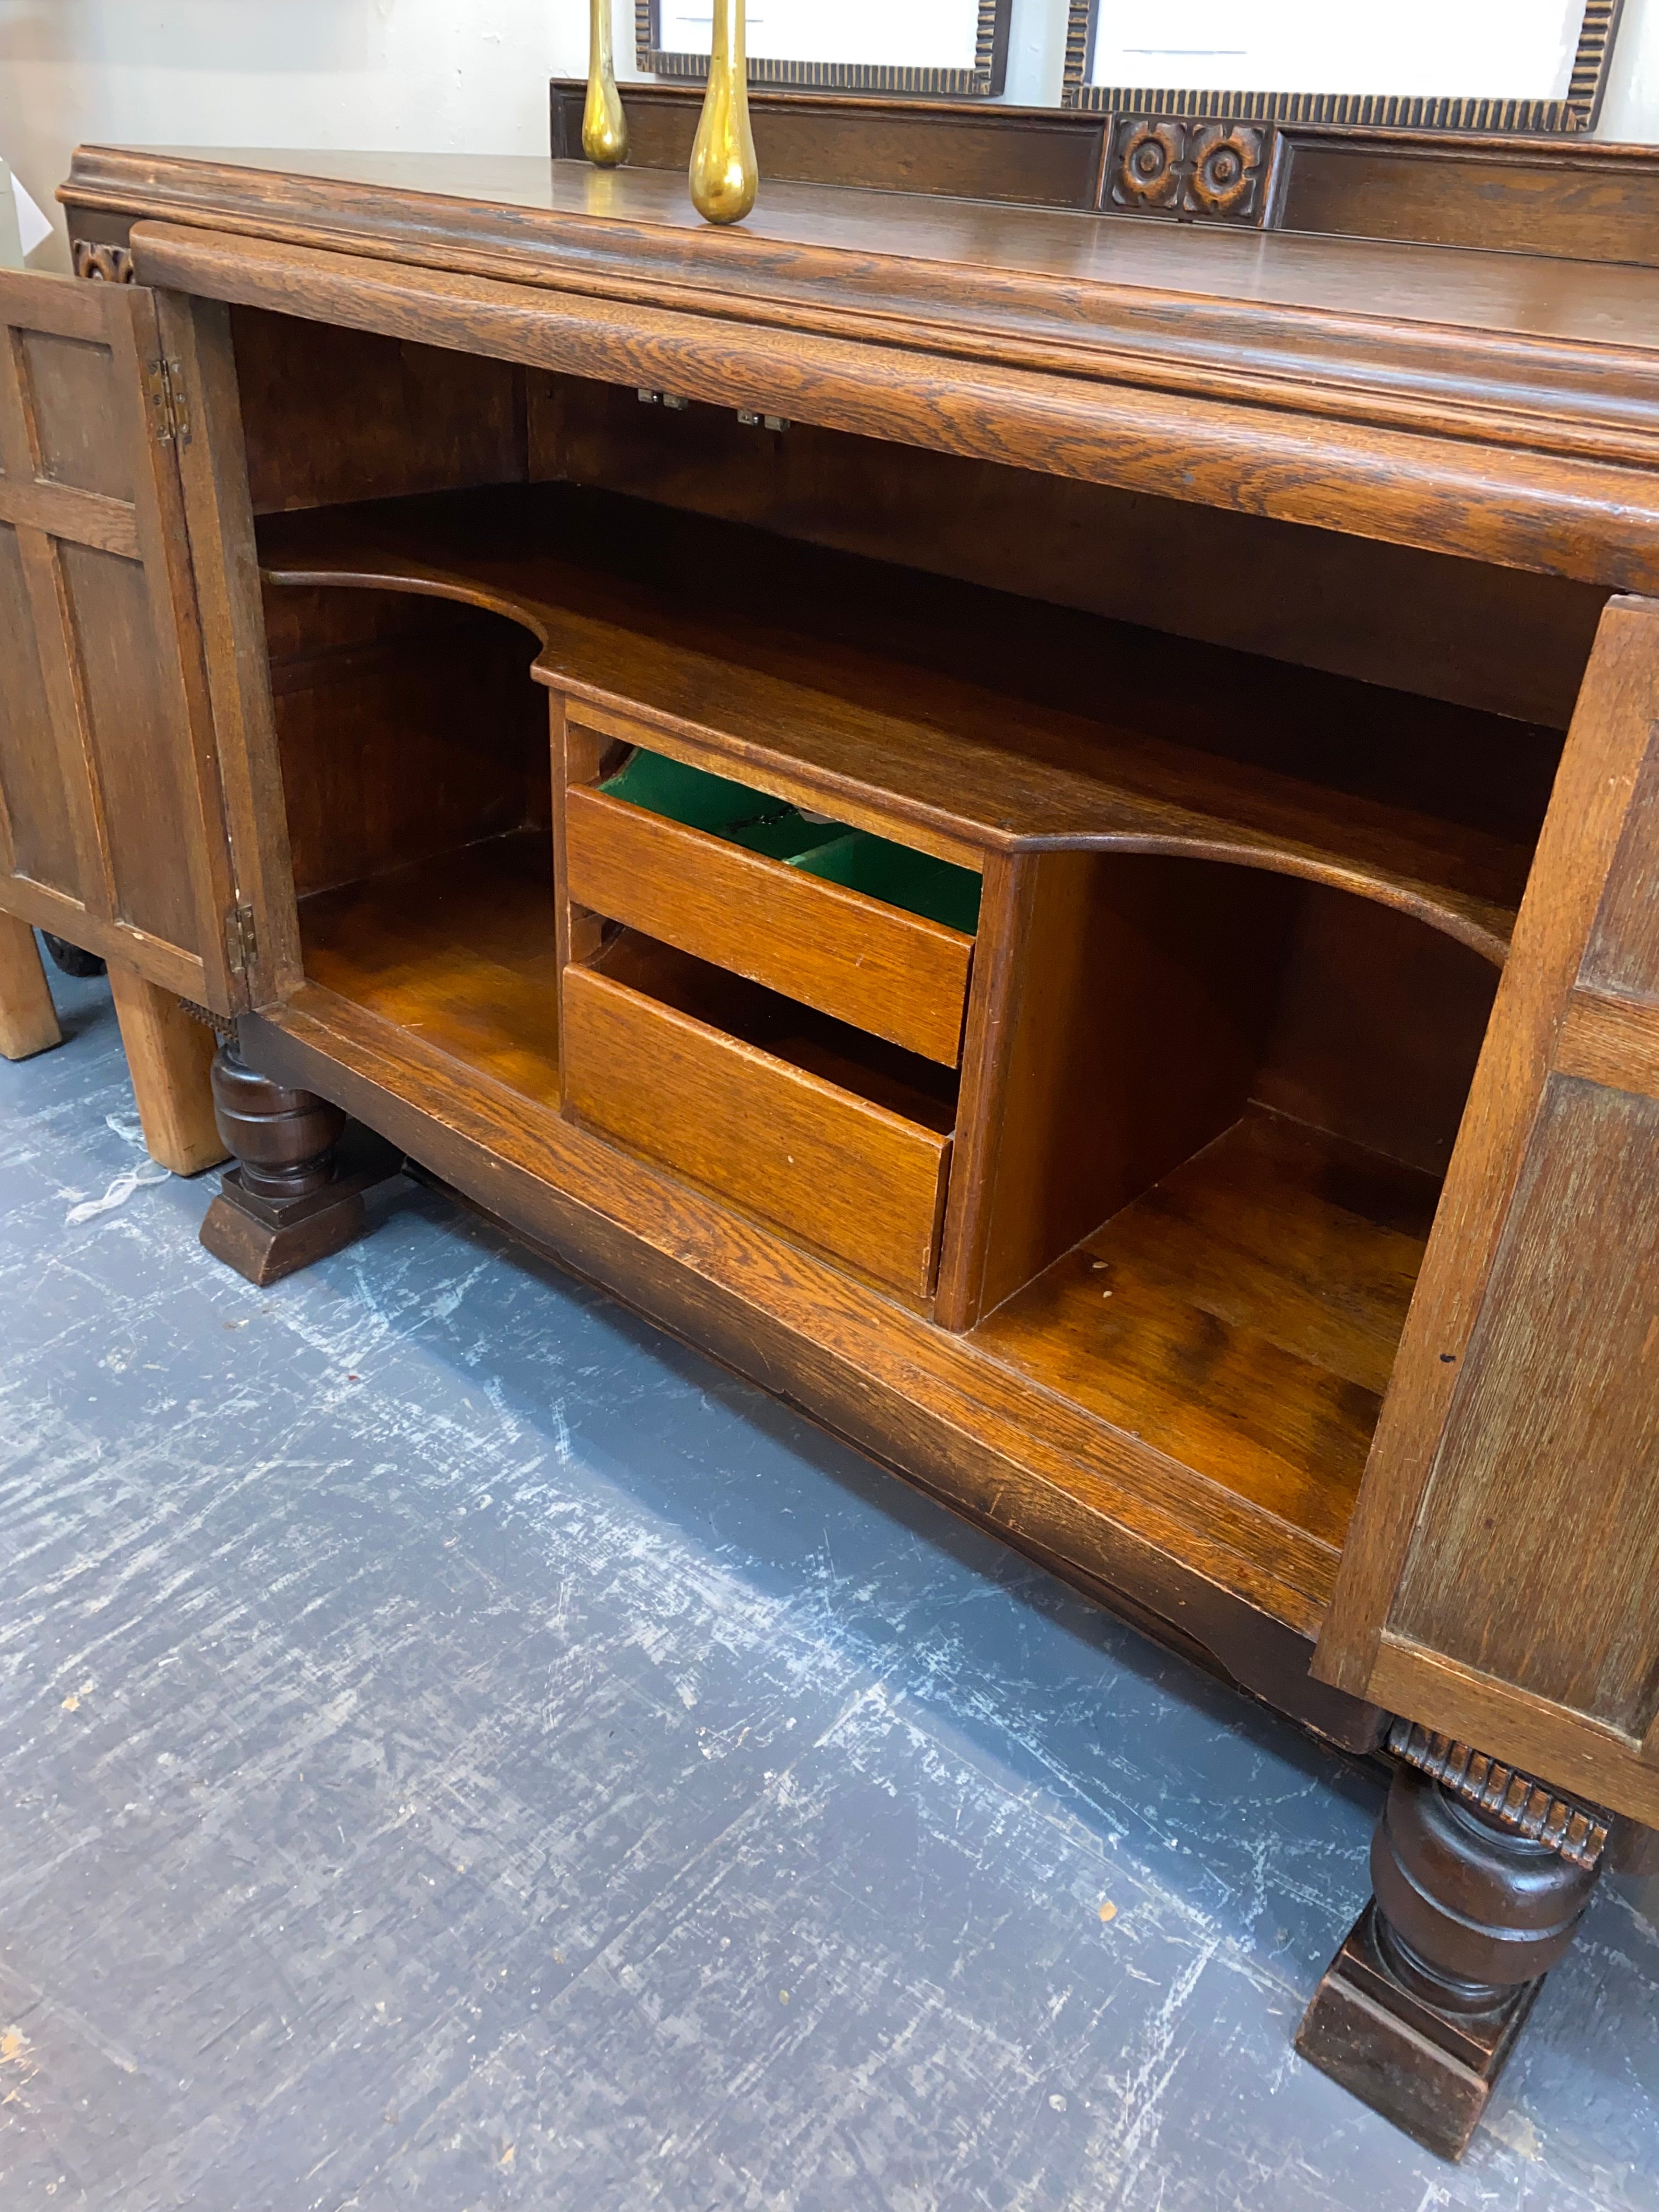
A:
1500, 1582
112, 826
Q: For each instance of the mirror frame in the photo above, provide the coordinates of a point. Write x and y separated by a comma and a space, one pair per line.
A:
984, 80
1391, 111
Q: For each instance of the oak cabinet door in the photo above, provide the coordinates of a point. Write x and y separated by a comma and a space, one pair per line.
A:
112, 824
1500, 1581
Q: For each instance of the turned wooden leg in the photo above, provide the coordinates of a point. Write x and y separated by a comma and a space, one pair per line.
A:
1480, 1875
28, 1020
291, 1197
168, 1055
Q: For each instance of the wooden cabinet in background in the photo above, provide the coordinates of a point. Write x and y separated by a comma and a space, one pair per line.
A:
1037, 828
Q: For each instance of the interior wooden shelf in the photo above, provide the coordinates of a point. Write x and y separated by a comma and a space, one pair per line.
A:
1243, 1315
458, 950
989, 718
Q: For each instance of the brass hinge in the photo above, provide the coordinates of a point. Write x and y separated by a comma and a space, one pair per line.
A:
241, 939
166, 399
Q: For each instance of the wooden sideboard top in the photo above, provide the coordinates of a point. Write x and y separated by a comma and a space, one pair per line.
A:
972, 259
1509, 401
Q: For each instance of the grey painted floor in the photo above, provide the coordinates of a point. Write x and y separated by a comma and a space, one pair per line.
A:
461, 1750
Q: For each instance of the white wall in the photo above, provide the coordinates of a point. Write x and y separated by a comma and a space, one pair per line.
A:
466, 75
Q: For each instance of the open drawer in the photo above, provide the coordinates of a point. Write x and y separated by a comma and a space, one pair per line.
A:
653, 1059
864, 960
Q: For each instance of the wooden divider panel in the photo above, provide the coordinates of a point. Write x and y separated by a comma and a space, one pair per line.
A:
112, 832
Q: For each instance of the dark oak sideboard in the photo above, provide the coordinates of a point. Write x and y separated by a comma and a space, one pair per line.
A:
1041, 829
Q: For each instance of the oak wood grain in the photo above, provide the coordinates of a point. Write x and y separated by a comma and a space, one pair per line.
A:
1570, 197
28, 1020
1559, 1391
102, 580
1146, 988
404, 728
1193, 307
1538, 469
1606, 750
213, 467
897, 974
1576, 1751
38, 828
1612, 1040
896, 741
922, 1398
1496, 639
1241, 1317
852, 1178
458, 949
996, 987
169, 1056
333, 414
89, 518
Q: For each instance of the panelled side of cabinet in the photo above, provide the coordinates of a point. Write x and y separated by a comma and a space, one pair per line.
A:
111, 827
1501, 1580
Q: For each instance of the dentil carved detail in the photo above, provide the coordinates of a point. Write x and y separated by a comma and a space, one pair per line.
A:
1195, 171
1515, 1800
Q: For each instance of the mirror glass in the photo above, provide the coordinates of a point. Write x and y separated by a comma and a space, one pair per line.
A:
926, 47
1509, 64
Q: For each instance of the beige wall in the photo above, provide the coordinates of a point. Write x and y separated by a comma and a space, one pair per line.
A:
427, 75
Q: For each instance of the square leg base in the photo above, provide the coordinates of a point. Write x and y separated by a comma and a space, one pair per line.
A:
263, 1240
1428, 2072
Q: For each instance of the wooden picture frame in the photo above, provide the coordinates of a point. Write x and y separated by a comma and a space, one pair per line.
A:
984, 80
1576, 111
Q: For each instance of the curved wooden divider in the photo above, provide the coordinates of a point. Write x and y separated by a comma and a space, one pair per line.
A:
889, 743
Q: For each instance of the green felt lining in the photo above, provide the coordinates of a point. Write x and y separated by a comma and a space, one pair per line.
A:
936, 890
915, 881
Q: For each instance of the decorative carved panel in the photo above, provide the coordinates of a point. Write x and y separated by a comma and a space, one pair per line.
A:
101, 265
1194, 170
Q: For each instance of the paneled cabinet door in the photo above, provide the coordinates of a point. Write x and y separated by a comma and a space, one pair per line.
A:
112, 824
1500, 1581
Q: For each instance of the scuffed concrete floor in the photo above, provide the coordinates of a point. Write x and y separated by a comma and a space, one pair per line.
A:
461, 1750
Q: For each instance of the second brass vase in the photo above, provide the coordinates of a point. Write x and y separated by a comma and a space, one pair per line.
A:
724, 176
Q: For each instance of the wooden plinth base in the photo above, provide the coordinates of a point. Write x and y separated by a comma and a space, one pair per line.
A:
265, 1239
1428, 2071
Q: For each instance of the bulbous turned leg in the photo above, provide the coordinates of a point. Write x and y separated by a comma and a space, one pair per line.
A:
291, 1197
1479, 1878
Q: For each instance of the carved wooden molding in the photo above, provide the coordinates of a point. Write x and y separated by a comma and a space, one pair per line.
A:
1577, 1831
222, 1025
1194, 170
101, 265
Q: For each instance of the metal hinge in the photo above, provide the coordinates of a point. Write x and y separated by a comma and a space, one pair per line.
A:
241, 939
166, 399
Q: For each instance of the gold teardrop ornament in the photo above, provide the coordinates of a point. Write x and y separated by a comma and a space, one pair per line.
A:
604, 127
725, 175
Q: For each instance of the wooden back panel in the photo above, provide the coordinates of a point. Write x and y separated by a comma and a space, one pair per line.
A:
331, 415
1574, 198
1499, 639
112, 830
405, 727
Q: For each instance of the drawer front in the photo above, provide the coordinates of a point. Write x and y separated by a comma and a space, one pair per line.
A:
820, 1164
894, 974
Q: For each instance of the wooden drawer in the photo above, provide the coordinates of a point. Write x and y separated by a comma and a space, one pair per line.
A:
897, 974
820, 1162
